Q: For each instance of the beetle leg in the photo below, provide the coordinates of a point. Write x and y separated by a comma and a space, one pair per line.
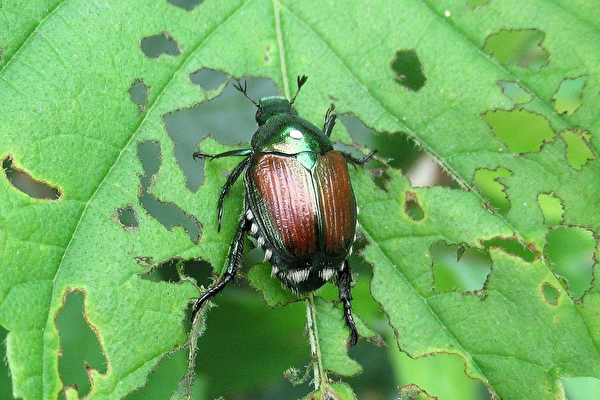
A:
231, 153
233, 265
330, 118
233, 176
344, 280
357, 161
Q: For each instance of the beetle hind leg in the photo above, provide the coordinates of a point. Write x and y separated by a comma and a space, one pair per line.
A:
231, 179
233, 265
233, 176
344, 280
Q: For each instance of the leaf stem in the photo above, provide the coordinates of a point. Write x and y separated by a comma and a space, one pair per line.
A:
284, 74
320, 375
185, 385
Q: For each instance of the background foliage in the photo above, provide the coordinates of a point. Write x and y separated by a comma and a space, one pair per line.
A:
491, 276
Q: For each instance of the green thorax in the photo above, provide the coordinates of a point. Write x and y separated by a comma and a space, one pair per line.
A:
282, 131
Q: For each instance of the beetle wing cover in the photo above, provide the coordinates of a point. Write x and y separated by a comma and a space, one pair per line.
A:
303, 212
336, 202
286, 205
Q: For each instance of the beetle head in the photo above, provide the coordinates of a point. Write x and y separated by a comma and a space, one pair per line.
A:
268, 107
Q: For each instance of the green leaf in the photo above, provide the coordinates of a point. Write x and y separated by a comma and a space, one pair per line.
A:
332, 335
273, 292
85, 107
413, 392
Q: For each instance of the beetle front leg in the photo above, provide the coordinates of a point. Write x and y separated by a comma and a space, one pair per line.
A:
231, 153
357, 161
234, 263
344, 281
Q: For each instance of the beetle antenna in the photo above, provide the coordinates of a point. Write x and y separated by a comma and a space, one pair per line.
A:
301, 81
244, 91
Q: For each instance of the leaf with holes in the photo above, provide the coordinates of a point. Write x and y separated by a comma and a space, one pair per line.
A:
104, 103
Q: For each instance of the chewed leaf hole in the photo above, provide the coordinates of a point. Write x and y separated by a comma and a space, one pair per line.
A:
487, 181
400, 152
138, 93
522, 47
380, 178
579, 150
523, 131
570, 250
412, 208
208, 79
127, 217
80, 349
157, 45
398, 149
426, 172
459, 268
552, 208
569, 96
228, 118
551, 293
439, 365
581, 387
408, 69
187, 5
27, 184
175, 269
512, 246
162, 377
168, 214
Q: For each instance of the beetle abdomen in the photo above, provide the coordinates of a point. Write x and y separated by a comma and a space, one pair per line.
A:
304, 205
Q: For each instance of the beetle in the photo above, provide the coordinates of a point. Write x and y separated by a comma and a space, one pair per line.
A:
299, 203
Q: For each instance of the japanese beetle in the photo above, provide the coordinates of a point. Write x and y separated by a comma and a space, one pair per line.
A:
298, 203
